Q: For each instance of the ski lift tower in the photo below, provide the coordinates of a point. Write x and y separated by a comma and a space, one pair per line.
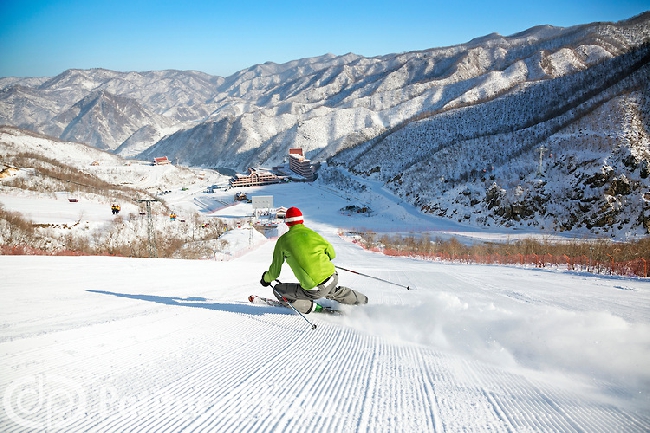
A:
153, 251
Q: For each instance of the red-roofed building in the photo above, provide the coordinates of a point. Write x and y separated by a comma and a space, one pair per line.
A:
161, 160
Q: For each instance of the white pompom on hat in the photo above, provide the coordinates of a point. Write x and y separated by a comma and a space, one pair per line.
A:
293, 216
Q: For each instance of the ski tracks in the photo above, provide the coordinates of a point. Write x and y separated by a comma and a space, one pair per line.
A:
163, 363
332, 379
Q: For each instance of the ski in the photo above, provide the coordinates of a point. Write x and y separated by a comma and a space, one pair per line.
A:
254, 299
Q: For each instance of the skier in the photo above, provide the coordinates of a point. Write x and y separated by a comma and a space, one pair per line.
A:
309, 255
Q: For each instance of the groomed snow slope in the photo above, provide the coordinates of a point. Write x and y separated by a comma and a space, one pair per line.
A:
161, 345
118, 344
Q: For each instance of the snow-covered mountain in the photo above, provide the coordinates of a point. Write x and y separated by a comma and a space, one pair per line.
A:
568, 153
465, 125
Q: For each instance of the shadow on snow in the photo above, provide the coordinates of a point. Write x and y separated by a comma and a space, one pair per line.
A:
197, 302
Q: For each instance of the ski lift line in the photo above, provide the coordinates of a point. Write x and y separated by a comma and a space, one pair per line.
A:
109, 187
64, 180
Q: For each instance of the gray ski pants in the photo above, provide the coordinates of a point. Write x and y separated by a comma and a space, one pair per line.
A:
302, 300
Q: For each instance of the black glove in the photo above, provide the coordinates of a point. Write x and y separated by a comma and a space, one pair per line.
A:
262, 282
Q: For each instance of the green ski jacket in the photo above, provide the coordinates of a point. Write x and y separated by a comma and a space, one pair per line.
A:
308, 254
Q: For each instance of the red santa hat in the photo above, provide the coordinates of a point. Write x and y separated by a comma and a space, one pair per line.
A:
293, 216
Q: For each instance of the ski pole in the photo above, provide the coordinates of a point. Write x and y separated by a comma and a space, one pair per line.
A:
313, 325
370, 276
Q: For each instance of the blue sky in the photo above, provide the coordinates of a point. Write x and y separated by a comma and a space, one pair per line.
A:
44, 38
